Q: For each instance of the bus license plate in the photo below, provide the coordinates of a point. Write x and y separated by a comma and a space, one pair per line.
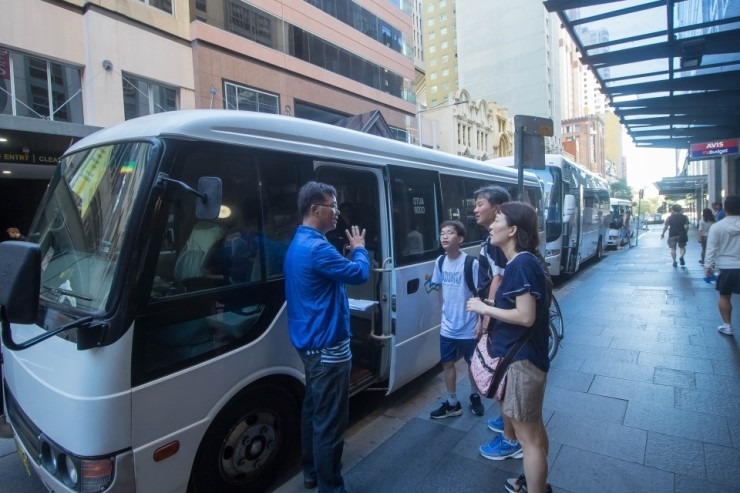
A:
23, 456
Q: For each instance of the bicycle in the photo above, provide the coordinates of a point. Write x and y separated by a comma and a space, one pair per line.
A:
556, 329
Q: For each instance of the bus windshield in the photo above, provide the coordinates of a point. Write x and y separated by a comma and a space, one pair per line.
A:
81, 225
552, 192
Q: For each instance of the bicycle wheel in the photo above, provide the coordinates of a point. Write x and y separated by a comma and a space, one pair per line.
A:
556, 318
553, 341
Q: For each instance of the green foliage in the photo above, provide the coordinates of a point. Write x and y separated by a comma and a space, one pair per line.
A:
621, 190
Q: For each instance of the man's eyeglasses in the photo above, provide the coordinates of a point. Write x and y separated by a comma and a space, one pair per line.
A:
333, 206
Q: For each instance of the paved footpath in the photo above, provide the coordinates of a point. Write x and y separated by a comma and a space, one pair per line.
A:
644, 395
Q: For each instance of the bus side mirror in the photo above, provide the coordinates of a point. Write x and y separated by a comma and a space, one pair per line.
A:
210, 194
569, 207
20, 277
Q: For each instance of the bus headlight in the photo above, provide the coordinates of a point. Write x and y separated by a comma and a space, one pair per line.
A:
83, 475
70, 471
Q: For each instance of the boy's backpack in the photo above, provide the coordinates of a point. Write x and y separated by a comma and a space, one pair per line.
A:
468, 270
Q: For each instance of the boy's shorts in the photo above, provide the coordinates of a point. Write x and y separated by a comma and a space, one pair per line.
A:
728, 282
525, 392
450, 349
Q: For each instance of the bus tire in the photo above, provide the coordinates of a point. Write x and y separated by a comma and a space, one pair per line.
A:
247, 442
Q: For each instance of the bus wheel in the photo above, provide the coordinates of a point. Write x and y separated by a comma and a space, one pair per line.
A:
246, 443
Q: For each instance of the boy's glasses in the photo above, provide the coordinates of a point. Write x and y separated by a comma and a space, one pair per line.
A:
333, 206
447, 234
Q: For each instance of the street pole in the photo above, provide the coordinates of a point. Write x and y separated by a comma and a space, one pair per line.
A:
639, 205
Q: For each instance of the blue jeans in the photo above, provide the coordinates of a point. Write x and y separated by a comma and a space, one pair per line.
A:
324, 420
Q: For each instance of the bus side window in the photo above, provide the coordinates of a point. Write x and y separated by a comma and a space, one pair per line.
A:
416, 215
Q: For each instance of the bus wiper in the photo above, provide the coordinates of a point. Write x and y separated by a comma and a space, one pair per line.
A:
65, 292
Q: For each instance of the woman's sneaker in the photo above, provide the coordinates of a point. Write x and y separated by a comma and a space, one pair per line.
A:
496, 425
500, 449
446, 411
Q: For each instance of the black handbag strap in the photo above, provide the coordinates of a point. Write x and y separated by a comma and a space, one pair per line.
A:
510, 355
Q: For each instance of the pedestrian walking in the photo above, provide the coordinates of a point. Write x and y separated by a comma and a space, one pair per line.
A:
719, 213
723, 253
456, 273
707, 219
677, 226
318, 323
519, 311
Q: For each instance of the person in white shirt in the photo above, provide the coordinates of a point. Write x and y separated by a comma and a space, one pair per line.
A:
457, 332
723, 253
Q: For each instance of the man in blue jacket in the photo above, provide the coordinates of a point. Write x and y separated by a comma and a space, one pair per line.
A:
318, 322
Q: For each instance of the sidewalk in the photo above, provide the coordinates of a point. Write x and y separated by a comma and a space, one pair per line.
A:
644, 395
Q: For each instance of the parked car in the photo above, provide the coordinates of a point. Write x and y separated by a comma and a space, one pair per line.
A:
656, 218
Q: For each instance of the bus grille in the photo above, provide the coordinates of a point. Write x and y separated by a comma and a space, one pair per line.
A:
25, 430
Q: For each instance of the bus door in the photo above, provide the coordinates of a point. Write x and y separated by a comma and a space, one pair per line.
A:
416, 304
575, 236
362, 202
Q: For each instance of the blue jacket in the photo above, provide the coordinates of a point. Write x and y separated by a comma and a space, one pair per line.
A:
315, 274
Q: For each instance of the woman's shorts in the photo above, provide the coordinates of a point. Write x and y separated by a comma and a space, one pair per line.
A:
525, 392
728, 282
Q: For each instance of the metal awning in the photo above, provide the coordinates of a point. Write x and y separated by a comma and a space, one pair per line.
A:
681, 185
670, 68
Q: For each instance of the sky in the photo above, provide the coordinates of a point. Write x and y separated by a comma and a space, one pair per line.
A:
646, 166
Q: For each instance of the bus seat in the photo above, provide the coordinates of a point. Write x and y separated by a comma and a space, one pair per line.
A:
193, 258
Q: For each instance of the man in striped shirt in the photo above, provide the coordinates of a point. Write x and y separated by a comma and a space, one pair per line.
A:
318, 323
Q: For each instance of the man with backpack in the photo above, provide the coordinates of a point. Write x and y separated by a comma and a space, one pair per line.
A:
455, 272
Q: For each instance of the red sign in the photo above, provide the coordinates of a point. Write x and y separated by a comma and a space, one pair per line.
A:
715, 148
4, 64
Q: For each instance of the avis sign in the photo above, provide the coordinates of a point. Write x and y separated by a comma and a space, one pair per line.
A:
715, 148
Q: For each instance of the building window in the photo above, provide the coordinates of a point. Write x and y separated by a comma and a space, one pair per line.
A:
444, 45
142, 97
445, 72
432, 49
248, 99
433, 76
433, 62
250, 23
165, 5
445, 58
39, 88
431, 35
430, 22
443, 31
434, 89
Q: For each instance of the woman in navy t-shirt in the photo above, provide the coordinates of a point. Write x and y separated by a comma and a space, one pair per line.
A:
521, 305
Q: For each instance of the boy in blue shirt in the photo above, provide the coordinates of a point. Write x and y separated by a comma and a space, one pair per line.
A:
457, 333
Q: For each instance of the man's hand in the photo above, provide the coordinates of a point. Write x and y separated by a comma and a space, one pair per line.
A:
356, 238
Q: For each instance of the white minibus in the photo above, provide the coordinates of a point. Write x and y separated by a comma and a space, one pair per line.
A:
145, 343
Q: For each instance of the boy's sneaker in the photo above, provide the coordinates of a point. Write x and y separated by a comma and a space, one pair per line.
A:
675, 264
681, 261
476, 405
446, 411
725, 329
500, 449
496, 425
